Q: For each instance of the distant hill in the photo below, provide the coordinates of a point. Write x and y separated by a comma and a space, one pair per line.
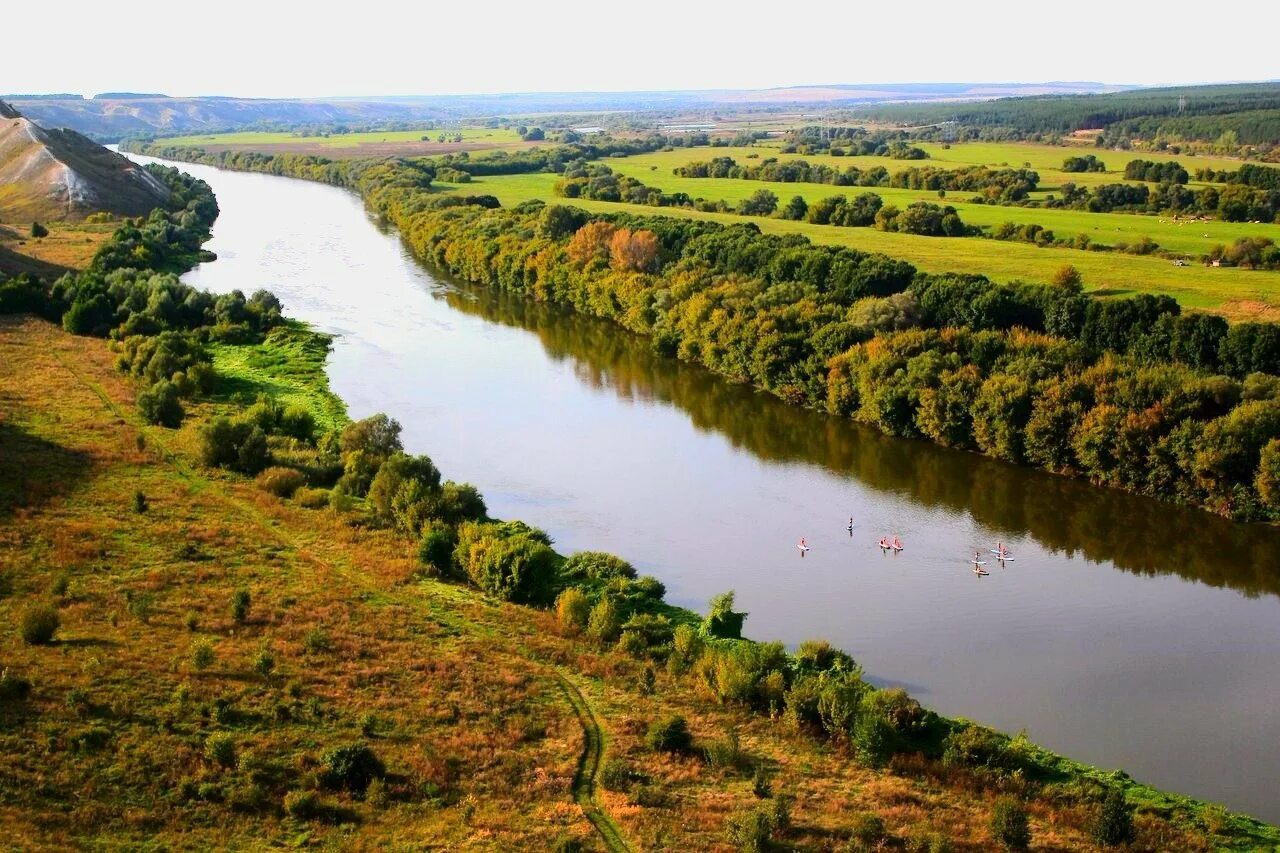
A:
113, 116
59, 174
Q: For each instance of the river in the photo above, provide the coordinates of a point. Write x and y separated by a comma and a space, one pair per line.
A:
1126, 633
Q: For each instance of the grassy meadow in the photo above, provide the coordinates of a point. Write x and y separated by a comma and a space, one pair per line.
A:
159, 717
363, 144
1236, 293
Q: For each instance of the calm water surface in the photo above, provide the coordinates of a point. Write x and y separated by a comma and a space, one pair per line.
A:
1126, 633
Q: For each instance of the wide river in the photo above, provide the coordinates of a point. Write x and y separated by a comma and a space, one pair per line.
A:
1126, 633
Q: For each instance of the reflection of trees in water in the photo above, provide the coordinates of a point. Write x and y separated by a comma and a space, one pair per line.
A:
1065, 516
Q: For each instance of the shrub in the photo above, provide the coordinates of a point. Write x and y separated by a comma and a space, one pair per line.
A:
352, 767
616, 775
725, 752
139, 502
202, 654
39, 623
159, 404
302, 805
435, 548
240, 605
220, 748
298, 422
13, 688
723, 620
670, 734
867, 829
281, 482
315, 641
572, 610
192, 620
38, 231
264, 663
597, 566
1114, 823
760, 784
603, 623
1009, 825
751, 831
310, 498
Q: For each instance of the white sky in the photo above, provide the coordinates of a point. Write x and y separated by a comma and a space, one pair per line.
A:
375, 47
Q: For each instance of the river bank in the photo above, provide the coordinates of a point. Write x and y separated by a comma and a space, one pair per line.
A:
1018, 654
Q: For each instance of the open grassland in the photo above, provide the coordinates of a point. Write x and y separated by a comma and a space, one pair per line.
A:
288, 366
1233, 292
132, 735
69, 245
1183, 236
365, 144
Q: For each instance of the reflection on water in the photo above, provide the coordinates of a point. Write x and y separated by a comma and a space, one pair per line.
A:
1168, 668
1064, 516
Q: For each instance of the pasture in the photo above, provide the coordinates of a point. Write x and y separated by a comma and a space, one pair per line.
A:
1238, 294
381, 143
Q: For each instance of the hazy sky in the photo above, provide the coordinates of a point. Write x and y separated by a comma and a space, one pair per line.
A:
368, 47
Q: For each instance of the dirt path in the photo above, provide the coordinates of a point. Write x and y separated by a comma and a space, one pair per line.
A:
589, 763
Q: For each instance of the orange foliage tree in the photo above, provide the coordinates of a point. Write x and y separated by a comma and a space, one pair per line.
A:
636, 251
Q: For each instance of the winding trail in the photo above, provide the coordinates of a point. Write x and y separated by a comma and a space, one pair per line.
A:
589, 765
590, 762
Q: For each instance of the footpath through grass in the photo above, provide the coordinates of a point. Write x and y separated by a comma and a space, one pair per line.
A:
158, 716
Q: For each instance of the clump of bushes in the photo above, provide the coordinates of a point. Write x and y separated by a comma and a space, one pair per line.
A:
220, 749
352, 767
670, 734
39, 624
310, 498
1114, 823
13, 688
281, 482
1009, 823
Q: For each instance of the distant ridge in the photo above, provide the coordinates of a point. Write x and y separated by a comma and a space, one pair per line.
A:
59, 174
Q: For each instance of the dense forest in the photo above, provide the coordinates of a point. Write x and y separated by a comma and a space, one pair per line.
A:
1248, 111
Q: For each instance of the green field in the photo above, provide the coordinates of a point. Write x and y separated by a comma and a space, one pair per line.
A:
1236, 293
254, 139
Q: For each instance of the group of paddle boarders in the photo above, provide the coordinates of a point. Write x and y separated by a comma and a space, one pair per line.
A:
894, 544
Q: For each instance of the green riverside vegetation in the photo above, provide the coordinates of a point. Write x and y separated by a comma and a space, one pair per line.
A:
1127, 392
296, 440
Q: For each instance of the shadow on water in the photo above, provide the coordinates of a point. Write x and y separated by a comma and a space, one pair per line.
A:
33, 470
1069, 517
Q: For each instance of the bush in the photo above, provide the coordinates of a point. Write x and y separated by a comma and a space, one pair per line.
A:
281, 482
725, 752
670, 734
310, 498
220, 748
240, 605
604, 622
597, 566
38, 231
616, 775
723, 620
315, 641
159, 404
572, 611
1009, 824
751, 831
139, 502
435, 548
264, 663
867, 829
1114, 823
760, 784
13, 688
302, 805
39, 623
352, 767
202, 654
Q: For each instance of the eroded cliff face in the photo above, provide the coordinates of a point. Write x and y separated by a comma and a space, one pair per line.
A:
59, 174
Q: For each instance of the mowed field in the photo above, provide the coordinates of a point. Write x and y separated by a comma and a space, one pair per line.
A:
1235, 293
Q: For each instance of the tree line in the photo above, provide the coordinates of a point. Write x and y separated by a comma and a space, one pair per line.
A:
784, 314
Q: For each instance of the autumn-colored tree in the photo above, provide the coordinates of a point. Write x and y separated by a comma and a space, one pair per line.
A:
591, 241
633, 250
